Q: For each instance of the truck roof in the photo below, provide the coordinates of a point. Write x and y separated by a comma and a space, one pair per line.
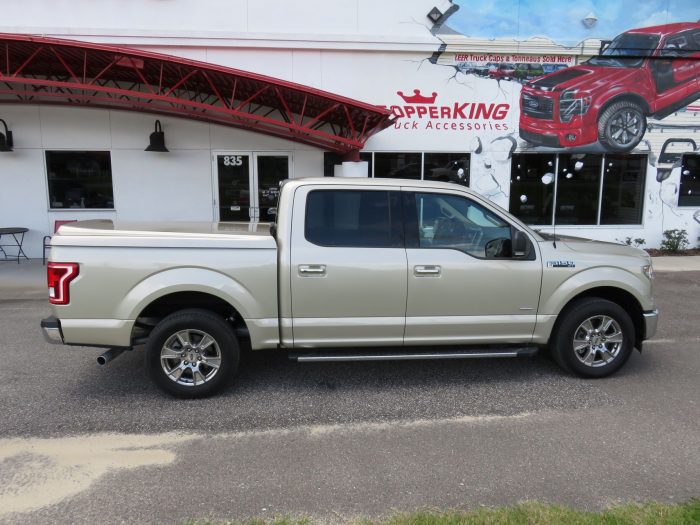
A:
363, 181
667, 29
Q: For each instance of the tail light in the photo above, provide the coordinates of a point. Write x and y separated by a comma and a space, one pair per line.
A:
59, 276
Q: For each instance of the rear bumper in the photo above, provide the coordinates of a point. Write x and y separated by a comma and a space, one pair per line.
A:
51, 329
651, 321
88, 332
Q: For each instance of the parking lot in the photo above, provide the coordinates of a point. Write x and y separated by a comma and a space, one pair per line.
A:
80, 443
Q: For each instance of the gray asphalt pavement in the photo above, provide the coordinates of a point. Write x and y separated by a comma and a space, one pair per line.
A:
83, 444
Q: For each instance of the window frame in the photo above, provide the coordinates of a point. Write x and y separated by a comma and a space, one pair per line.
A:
410, 222
50, 208
396, 230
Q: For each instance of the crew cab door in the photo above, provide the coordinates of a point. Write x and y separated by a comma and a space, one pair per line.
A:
348, 266
464, 284
675, 68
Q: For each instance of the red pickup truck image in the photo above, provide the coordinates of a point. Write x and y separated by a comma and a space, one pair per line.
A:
649, 72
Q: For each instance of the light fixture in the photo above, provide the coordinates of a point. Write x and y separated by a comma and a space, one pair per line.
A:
157, 139
589, 20
435, 14
6, 141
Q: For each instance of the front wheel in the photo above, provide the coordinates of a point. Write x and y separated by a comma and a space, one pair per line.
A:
621, 126
192, 353
594, 338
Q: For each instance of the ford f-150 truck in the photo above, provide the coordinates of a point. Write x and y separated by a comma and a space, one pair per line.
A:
353, 269
653, 71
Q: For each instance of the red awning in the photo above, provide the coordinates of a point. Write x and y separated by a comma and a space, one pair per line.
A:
35, 70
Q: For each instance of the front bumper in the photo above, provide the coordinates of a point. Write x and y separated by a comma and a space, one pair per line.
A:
651, 321
51, 328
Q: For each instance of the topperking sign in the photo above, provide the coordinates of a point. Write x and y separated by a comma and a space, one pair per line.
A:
420, 112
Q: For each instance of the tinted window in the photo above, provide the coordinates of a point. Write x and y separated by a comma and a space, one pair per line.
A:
449, 221
447, 167
689, 193
397, 165
578, 187
330, 160
623, 189
532, 188
352, 218
79, 179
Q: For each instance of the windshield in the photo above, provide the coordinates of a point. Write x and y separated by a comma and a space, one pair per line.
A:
627, 50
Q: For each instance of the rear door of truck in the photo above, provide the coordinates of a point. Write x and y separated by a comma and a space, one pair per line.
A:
348, 266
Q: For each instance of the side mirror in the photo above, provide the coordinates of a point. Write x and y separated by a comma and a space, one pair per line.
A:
520, 243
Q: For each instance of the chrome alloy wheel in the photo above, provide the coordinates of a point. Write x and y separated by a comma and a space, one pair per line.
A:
190, 357
626, 127
598, 340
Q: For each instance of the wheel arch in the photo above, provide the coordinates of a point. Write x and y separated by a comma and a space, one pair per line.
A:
622, 97
614, 294
162, 293
173, 302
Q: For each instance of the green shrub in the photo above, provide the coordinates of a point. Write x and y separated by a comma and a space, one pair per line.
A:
674, 241
629, 241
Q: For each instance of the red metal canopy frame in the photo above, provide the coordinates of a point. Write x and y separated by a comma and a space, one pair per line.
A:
37, 70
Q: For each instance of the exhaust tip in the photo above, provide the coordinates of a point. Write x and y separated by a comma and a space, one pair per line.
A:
110, 354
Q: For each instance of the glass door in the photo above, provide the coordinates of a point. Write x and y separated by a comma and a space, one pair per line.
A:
270, 170
234, 181
246, 185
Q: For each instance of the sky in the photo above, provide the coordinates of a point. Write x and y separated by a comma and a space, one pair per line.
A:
561, 20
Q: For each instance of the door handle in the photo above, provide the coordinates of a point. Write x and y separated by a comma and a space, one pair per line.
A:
427, 270
306, 270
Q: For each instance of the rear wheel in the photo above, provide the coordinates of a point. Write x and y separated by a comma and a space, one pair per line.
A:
594, 338
192, 353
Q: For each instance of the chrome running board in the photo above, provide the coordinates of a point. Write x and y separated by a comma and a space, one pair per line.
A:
338, 355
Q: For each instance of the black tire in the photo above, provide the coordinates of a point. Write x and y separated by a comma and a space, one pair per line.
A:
569, 328
193, 322
621, 126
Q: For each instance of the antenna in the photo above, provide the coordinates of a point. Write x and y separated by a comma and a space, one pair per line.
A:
554, 202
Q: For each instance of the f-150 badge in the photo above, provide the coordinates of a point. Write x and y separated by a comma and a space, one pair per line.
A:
561, 264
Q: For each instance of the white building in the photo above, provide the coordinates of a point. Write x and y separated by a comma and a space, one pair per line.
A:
456, 99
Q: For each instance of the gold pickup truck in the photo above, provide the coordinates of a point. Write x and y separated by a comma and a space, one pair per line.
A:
353, 269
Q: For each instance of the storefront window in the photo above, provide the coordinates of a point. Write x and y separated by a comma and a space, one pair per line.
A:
79, 179
532, 188
446, 167
330, 160
623, 189
397, 165
578, 187
689, 193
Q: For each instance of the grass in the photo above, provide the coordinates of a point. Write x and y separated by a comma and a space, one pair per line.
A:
524, 514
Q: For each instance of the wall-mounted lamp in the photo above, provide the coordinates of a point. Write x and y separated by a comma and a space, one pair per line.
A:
589, 20
157, 139
6, 141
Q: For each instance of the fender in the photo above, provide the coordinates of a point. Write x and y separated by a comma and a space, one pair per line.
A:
190, 279
555, 296
594, 277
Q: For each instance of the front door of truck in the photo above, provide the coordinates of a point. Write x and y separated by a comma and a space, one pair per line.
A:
246, 184
464, 284
348, 266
